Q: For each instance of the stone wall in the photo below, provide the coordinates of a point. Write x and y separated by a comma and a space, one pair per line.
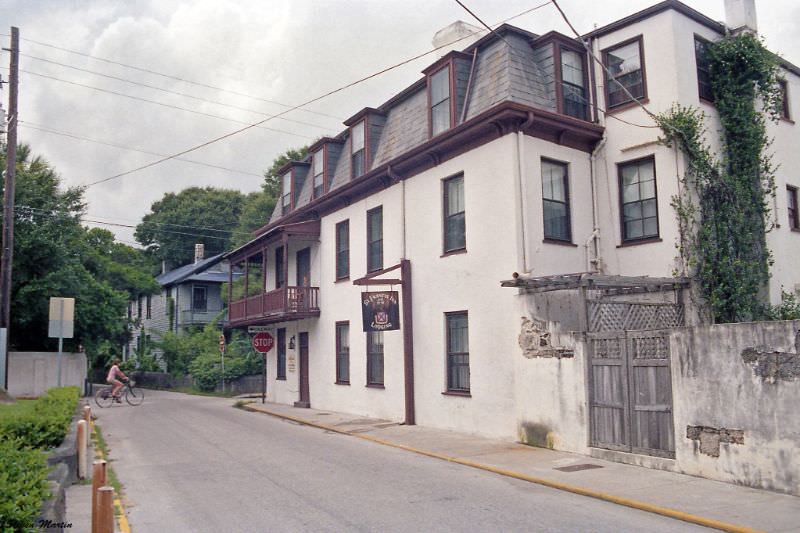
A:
736, 392
30, 374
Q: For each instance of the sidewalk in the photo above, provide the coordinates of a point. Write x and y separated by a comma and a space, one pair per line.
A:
710, 503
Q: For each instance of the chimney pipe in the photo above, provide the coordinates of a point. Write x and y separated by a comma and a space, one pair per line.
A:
740, 15
199, 251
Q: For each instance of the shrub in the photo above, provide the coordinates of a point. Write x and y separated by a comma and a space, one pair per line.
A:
23, 486
46, 423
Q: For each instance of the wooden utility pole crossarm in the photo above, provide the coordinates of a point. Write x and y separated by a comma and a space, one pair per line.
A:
8, 201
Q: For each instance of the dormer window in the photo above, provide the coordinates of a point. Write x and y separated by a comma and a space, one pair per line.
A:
573, 85
286, 191
357, 148
440, 101
318, 169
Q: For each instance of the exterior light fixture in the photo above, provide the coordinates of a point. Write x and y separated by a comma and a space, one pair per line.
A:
291, 343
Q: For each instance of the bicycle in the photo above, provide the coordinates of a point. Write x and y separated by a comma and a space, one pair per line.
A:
133, 395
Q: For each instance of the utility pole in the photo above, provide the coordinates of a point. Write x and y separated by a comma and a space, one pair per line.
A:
8, 205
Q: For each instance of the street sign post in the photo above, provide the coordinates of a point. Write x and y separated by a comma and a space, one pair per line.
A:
222, 358
62, 324
262, 343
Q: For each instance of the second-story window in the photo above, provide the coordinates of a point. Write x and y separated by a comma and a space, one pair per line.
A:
573, 86
639, 207
555, 199
455, 236
440, 101
357, 149
627, 73
319, 173
784, 86
199, 298
343, 249
791, 204
286, 191
375, 239
703, 72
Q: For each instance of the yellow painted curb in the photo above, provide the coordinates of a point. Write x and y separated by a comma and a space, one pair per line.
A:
122, 518
627, 502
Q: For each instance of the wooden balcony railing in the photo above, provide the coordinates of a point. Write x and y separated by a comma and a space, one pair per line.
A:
287, 303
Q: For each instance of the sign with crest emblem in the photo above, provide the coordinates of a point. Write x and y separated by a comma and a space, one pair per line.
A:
380, 311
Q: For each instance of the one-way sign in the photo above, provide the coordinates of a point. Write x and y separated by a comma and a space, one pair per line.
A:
258, 329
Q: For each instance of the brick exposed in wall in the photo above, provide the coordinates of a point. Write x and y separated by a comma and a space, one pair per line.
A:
773, 365
535, 341
710, 438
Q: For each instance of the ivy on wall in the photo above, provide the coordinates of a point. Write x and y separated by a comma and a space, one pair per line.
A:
723, 208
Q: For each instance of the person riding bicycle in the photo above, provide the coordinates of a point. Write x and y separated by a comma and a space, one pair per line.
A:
113, 373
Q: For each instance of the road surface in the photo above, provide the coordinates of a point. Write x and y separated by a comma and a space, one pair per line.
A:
196, 464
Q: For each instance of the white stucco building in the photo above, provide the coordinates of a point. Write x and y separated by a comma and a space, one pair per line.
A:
503, 158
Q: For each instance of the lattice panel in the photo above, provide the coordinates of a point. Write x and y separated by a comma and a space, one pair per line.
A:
619, 316
650, 347
607, 316
607, 348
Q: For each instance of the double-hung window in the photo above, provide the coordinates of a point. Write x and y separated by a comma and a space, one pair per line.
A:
375, 358
627, 74
343, 352
280, 372
375, 239
357, 149
440, 101
199, 298
286, 192
555, 200
343, 249
457, 352
573, 87
784, 86
703, 72
637, 181
318, 166
455, 237
791, 204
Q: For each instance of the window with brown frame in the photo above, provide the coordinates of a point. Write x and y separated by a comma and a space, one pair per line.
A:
375, 358
441, 117
703, 72
318, 169
639, 208
343, 353
626, 65
280, 274
375, 239
555, 200
784, 86
457, 351
286, 192
575, 102
455, 236
791, 207
357, 149
280, 371
343, 250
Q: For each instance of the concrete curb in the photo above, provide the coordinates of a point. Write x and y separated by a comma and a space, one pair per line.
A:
583, 491
122, 517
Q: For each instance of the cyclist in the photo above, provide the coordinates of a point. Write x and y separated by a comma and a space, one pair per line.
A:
113, 373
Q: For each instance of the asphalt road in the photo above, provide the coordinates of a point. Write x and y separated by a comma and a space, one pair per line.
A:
192, 463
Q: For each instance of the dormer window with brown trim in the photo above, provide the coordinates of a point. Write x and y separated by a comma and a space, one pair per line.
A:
574, 95
286, 192
318, 170
440, 101
625, 62
357, 151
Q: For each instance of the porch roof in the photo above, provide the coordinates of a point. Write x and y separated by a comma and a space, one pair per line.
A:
306, 229
595, 281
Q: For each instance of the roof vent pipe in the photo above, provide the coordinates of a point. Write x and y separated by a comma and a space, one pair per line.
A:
199, 251
740, 15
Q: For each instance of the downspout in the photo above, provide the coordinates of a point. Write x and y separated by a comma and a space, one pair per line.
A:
523, 264
594, 264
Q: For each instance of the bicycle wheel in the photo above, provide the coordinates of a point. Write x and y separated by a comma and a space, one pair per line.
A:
103, 397
134, 395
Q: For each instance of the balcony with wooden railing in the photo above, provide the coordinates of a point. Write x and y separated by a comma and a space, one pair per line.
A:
280, 305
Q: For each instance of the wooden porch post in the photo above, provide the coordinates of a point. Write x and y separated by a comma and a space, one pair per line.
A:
285, 272
230, 288
246, 283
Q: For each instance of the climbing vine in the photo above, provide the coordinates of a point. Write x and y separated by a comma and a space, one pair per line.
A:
723, 207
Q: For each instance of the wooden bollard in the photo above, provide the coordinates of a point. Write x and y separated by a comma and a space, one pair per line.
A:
105, 510
83, 448
98, 480
87, 415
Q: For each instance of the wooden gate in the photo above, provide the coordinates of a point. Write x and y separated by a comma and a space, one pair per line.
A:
630, 386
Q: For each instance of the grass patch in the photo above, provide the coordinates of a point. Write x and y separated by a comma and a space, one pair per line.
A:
241, 403
101, 445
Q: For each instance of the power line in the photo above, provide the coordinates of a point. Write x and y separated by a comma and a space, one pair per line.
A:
476, 17
185, 95
32, 125
311, 101
155, 102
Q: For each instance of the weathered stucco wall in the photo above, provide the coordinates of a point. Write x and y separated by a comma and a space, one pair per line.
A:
30, 374
736, 392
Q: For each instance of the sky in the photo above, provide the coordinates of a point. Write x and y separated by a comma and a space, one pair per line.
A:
265, 54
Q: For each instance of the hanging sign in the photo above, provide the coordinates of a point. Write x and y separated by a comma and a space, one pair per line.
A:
380, 311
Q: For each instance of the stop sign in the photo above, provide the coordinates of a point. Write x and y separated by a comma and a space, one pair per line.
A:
263, 342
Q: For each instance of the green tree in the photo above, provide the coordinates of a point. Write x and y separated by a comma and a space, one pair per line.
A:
272, 180
195, 215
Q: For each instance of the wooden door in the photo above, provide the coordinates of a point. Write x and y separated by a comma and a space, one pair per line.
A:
305, 400
304, 267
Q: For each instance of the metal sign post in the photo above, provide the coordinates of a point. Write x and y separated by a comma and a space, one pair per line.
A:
255, 331
222, 358
62, 324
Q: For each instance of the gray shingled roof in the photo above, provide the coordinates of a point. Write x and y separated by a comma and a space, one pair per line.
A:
184, 272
